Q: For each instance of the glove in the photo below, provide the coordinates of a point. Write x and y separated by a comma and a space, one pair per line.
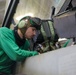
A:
34, 53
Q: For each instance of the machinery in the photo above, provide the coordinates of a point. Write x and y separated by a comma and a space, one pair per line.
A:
61, 25
54, 59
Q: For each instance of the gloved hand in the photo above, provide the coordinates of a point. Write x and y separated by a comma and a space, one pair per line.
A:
34, 53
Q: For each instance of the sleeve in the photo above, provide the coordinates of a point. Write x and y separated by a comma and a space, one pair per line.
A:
13, 51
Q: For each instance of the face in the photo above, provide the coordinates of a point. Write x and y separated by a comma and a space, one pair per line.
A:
30, 32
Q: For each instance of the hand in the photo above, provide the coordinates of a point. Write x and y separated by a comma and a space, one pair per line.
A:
35, 53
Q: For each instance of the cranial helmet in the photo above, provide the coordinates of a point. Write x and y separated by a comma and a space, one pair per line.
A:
28, 21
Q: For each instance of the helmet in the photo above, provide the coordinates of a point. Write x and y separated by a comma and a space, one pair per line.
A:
28, 21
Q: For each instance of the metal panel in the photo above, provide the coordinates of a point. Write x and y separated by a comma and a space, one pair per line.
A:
74, 3
58, 62
65, 24
64, 6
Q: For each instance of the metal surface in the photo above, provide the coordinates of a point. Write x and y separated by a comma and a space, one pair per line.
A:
65, 24
65, 6
58, 62
74, 3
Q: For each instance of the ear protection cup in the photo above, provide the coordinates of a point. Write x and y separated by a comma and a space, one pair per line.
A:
21, 24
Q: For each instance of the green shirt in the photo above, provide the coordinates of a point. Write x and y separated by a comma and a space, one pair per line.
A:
10, 51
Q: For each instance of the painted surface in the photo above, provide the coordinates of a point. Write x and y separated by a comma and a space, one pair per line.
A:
57, 62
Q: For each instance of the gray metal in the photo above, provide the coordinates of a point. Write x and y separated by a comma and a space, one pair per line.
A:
74, 3
58, 62
65, 6
65, 24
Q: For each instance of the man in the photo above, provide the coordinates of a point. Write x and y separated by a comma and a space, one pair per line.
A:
14, 43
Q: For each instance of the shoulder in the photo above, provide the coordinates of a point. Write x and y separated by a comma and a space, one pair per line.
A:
4, 31
3, 28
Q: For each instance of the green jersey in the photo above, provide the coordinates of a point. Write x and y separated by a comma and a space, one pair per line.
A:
10, 51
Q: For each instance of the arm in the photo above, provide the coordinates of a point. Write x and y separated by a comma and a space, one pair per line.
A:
13, 51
